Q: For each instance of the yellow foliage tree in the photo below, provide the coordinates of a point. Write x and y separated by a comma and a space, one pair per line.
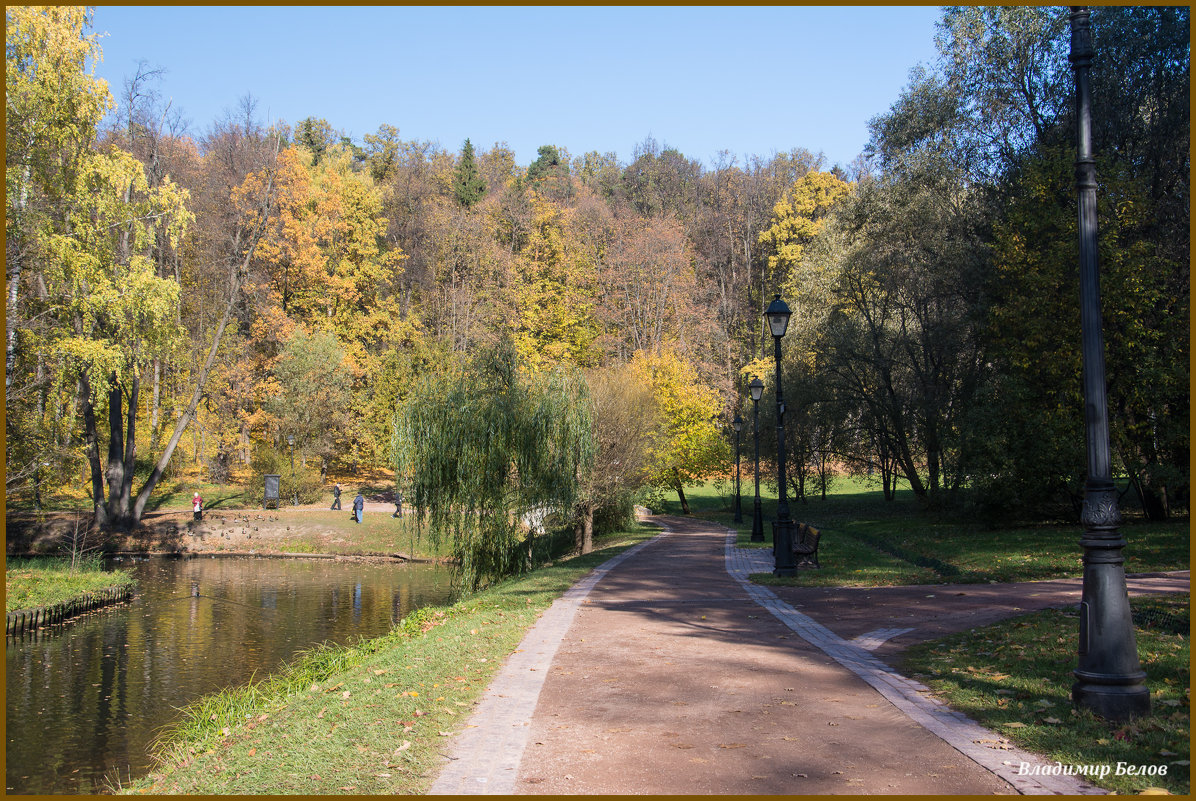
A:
798, 267
689, 447
553, 293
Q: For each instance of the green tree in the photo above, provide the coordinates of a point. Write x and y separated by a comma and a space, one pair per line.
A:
52, 105
316, 136
480, 448
902, 339
468, 186
549, 173
313, 403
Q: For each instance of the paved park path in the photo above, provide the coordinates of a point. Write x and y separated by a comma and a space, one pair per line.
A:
666, 672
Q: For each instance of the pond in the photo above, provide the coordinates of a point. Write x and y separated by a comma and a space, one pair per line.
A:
85, 699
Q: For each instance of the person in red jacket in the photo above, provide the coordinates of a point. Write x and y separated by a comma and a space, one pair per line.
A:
197, 506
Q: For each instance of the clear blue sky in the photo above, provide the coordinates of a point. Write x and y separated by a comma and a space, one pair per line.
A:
702, 79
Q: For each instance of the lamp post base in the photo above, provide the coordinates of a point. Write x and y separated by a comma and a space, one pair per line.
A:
782, 548
1129, 698
1110, 681
757, 523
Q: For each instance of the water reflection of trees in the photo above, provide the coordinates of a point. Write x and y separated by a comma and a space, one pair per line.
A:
90, 695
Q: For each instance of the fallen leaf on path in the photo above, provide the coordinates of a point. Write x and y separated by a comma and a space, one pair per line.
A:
733, 745
406, 744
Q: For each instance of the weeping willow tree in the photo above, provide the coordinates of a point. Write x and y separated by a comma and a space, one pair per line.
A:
479, 451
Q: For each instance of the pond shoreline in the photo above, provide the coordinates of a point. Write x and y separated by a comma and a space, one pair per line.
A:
196, 554
22, 621
234, 532
98, 688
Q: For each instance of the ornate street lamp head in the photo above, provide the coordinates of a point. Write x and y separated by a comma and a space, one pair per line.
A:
737, 423
756, 388
291, 439
778, 316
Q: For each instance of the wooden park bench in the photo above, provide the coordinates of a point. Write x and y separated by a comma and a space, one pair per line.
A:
805, 545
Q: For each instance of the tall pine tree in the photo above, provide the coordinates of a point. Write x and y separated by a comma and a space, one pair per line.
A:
468, 186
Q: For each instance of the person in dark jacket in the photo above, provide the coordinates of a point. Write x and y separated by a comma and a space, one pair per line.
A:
358, 506
336, 497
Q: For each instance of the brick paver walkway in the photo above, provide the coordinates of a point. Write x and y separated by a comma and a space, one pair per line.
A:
666, 672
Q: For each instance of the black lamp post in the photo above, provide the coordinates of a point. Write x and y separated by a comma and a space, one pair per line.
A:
1109, 677
777, 315
737, 423
756, 388
294, 489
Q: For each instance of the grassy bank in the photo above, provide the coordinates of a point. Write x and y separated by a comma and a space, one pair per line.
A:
32, 583
867, 541
305, 531
173, 493
1015, 678
367, 719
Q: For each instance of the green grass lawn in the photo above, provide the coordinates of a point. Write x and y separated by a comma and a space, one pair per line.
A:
867, 541
174, 494
326, 531
365, 719
32, 583
1015, 678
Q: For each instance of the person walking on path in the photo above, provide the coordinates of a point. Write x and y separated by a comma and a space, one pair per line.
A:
358, 506
336, 497
197, 506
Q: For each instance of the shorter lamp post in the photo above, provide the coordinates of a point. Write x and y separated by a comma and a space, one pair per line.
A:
737, 423
294, 489
778, 315
756, 388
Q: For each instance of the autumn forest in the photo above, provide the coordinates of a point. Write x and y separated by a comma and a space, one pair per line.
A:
186, 300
